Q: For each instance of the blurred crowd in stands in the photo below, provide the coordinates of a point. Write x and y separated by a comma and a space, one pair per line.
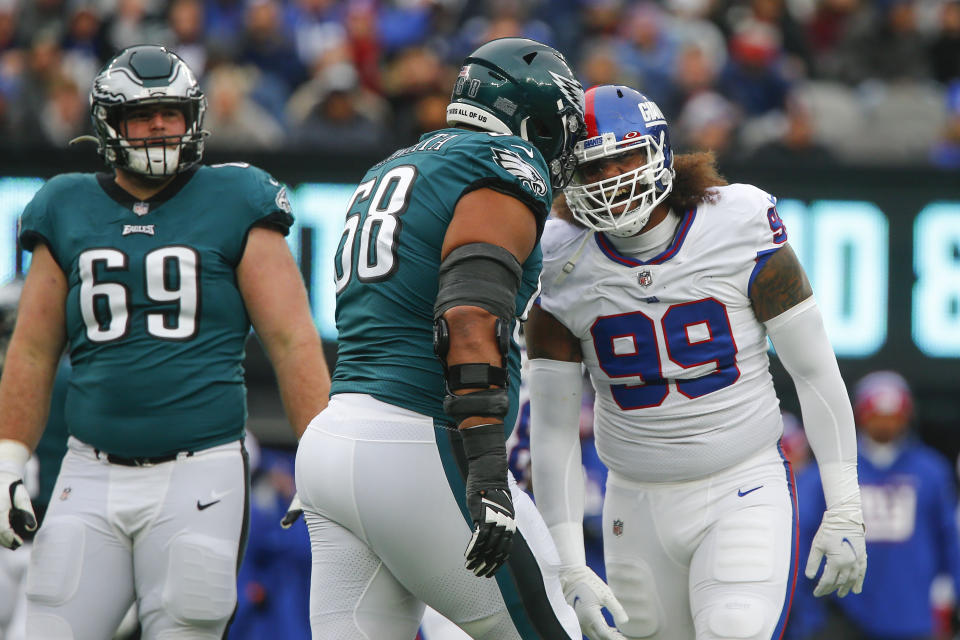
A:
854, 81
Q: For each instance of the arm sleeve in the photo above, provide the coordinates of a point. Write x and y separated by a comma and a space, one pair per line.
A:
801, 342
558, 483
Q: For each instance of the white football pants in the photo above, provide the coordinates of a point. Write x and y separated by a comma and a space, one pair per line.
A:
710, 559
167, 536
384, 501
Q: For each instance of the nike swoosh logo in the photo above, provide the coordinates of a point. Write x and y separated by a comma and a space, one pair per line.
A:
201, 506
741, 492
529, 152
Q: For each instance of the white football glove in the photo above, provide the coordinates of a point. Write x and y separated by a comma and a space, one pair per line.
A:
294, 511
16, 512
840, 539
588, 595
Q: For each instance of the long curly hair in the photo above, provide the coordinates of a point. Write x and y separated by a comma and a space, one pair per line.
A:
696, 175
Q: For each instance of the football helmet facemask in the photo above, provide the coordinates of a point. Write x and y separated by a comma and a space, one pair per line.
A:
139, 76
621, 121
524, 88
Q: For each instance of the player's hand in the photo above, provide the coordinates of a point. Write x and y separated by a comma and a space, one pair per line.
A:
588, 595
492, 513
840, 539
294, 511
16, 512
488, 499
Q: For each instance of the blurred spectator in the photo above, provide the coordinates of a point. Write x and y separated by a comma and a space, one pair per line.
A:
317, 27
429, 114
775, 14
601, 64
66, 113
414, 73
8, 26
648, 49
754, 77
83, 48
945, 154
42, 70
273, 589
601, 17
364, 42
829, 31
267, 46
708, 122
41, 16
334, 120
795, 140
130, 24
892, 48
945, 51
224, 22
185, 37
909, 508
695, 72
239, 122
502, 19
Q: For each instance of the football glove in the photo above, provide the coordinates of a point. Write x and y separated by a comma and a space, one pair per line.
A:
294, 511
16, 512
488, 499
840, 539
588, 595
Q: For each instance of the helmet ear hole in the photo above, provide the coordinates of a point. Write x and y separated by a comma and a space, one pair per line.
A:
540, 128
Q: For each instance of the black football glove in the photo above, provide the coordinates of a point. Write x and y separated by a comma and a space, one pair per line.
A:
294, 511
488, 499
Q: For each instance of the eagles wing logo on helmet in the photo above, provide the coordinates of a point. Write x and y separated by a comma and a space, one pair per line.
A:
571, 89
528, 175
282, 201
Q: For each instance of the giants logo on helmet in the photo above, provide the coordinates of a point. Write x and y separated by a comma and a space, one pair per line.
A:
651, 114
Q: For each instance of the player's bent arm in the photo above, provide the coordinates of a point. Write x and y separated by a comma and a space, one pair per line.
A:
783, 300
555, 381
484, 217
34, 352
800, 339
26, 386
489, 237
276, 300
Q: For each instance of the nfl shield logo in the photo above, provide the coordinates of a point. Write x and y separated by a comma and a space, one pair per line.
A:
66, 493
645, 278
141, 208
618, 527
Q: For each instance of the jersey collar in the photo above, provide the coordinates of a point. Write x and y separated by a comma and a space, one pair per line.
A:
607, 248
125, 199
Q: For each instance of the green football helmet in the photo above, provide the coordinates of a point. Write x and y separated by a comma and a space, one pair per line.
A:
146, 75
524, 88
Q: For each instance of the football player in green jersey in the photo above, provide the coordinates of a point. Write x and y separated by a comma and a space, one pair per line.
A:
407, 468
151, 276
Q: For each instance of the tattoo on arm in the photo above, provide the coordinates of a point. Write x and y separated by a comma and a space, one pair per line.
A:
780, 285
548, 338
